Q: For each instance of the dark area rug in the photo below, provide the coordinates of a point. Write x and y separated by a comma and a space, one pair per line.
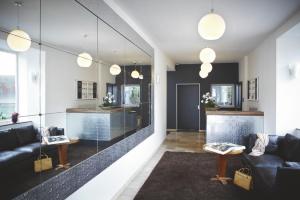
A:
186, 176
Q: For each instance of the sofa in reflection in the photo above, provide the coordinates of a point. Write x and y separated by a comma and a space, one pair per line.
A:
276, 173
19, 147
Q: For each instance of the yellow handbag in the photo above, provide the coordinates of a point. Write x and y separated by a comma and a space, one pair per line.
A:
243, 178
43, 163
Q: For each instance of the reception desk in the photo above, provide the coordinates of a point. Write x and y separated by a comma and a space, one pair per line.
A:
232, 126
100, 124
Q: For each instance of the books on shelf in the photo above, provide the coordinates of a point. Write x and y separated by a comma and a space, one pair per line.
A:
60, 139
222, 148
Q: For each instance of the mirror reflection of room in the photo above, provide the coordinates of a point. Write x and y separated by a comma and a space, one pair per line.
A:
66, 92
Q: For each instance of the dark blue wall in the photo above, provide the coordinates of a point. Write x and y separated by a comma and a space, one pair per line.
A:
189, 73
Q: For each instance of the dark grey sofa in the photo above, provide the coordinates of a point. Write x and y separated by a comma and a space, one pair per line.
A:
19, 146
276, 173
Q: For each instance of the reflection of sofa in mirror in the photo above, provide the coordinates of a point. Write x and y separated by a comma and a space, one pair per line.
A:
99, 124
19, 147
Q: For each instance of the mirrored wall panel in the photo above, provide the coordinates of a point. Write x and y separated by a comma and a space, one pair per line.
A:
71, 86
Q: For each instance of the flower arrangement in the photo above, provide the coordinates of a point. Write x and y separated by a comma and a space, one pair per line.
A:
109, 100
208, 101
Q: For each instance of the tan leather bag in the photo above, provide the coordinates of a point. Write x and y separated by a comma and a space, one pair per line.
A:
243, 178
43, 163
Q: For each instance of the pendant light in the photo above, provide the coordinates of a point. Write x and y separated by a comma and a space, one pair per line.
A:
18, 40
135, 74
207, 55
115, 69
203, 74
141, 76
211, 26
206, 67
84, 59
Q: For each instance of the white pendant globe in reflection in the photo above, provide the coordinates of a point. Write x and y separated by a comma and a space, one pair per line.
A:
203, 74
115, 69
135, 74
206, 67
141, 76
18, 40
207, 55
211, 27
84, 60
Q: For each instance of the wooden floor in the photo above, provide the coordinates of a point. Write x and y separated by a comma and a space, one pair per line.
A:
175, 141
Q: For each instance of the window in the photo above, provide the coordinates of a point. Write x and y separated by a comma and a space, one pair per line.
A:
8, 69
223, 95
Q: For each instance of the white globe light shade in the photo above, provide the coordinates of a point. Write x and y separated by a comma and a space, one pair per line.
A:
207, 55
115, 69
135, 74
141, 76
18, 40
203, 74
84, 60
211, 27
206, 67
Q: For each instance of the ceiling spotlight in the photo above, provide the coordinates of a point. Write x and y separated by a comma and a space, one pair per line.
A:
206, 67
207, 55
84, 60
115, 69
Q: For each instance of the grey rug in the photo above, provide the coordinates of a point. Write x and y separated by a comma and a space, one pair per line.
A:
186, 176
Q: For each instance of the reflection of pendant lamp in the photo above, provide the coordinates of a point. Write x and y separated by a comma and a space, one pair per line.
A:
115, 69
203, 74
135, 74
18, 40
206, 67
211, 26
84, 60
207, 55
141, 76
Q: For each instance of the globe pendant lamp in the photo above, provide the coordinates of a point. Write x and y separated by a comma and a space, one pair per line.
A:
84, 60
141, 76
207, 55
18, 40
206, 67
115, 69
203, 74
135, 74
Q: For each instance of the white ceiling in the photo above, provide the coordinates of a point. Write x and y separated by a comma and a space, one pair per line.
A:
172, 24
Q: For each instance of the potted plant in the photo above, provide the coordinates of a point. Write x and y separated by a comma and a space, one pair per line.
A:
209, 102
108, 101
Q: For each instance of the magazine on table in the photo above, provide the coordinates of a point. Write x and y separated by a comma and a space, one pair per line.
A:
60, 139
222, 148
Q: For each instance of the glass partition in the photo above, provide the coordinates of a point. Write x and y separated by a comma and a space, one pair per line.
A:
77, 84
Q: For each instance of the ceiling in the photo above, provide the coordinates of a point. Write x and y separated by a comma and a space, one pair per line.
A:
172, 24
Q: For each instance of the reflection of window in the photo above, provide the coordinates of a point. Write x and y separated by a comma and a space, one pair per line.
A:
223, 95
131, 95
7, 84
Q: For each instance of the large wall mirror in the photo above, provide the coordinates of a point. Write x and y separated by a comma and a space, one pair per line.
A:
77, 85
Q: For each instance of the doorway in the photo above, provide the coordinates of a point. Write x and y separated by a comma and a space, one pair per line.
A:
188, 106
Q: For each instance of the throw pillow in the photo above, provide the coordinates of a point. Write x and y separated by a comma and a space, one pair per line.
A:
290, 148
25, 135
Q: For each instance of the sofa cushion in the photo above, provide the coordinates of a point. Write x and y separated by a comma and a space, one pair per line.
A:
266, 160
25, 135
30, 148
265, 178
8, 140
272, 146
9, 157
290, 148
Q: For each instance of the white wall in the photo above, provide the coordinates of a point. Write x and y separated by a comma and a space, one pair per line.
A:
112, 180
262, 64
288, 96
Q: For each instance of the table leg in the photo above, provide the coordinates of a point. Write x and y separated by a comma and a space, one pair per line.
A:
63, 156
222, 167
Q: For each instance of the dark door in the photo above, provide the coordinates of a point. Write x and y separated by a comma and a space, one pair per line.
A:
187, 107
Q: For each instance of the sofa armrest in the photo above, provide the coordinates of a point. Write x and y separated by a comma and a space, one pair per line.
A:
287, 181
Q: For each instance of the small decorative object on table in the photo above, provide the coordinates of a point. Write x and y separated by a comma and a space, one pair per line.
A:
209, 102
108, 101
14, 117
224, 150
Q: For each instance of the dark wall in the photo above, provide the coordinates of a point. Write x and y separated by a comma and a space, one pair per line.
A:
189, 73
